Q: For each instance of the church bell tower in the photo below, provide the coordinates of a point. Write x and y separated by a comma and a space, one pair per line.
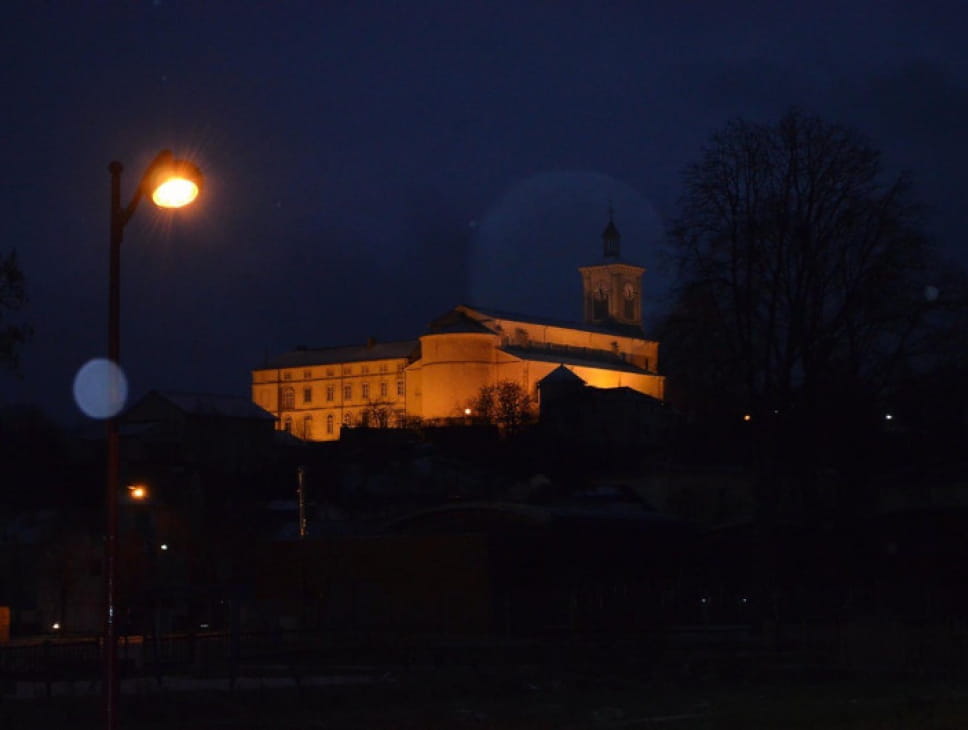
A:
612, 289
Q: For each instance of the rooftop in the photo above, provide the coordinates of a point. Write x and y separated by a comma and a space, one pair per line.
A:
612, 328
306, 356
204, 404
566, 355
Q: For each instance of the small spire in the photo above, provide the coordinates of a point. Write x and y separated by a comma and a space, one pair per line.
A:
610, 236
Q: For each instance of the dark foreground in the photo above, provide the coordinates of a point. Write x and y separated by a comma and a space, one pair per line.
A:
520, 697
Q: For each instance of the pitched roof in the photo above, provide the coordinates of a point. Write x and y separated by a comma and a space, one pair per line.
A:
611, 328
561, 375
575, 356
224, 406
455, 321
304, 356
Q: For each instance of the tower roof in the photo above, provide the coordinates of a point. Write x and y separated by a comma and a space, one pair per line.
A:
562, 376
611, 238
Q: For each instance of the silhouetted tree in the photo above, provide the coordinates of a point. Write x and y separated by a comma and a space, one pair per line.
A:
378, 414
807, 285
505, 404
13, 297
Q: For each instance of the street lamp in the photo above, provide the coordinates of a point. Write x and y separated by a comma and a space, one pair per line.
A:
170, 183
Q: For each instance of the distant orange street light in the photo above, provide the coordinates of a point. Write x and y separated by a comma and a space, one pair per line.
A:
138, 491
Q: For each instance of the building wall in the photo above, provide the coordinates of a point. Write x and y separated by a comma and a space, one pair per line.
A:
455, 366
452, 369
315, 402
612, 279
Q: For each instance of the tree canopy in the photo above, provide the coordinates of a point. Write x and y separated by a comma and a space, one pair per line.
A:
808, 283
505, 404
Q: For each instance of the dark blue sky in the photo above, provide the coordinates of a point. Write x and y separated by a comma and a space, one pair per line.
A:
371, 164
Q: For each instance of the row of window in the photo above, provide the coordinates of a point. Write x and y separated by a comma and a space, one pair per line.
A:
343, 370
366, 419
287, 397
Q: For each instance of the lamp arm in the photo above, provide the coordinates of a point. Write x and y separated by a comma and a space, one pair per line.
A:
163, 159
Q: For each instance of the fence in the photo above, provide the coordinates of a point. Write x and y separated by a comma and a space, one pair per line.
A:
857, 647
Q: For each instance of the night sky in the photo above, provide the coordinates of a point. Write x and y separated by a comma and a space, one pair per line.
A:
371, 164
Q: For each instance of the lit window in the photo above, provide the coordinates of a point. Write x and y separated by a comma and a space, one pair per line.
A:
329, 423
330, 392
383, 389
307, 395
347, 392
401, 387
366, 390
288, 398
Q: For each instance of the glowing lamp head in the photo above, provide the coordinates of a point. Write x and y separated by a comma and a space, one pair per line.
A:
175, 193
173, 183
137, 491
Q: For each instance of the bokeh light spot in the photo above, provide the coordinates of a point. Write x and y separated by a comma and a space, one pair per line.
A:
100, 388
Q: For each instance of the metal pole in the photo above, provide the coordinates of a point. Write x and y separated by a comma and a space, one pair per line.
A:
301, 490
111, 683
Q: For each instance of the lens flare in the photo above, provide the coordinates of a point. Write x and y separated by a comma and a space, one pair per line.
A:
100, 388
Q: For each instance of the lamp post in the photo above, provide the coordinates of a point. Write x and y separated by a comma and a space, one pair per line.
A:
170, 183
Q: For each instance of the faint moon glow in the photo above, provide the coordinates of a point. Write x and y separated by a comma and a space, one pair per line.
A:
100, 388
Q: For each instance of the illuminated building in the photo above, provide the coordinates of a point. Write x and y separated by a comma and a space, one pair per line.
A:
313, 392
